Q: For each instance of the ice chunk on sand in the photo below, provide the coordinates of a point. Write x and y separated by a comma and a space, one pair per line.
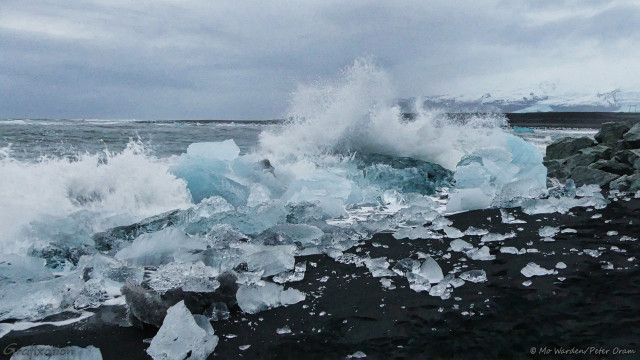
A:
561, 265
357, 355
253, 299
459, 245
452, 232
475, 276
283, 330
195, 277
548, 231
512, 250
387, 284
53, 353
492, 176
417, 282
183, 335
480, 254
155, 249
406, 265
497, 237
533, 269
508, 218
431, 271
475, 231
290, 276
379, 267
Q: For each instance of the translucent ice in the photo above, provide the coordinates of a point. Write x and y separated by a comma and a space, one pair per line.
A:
497, 237
533, 269
475, 276
508, 218
379, 267
431, 271
459, 245
548, 231
406, 265
183, 335
493, 176
297, 274
253, 299
193, 277
480, 254
160, 247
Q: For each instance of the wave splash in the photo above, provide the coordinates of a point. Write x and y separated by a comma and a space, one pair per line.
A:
348, 164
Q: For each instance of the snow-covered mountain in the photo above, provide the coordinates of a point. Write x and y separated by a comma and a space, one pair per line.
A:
543, 99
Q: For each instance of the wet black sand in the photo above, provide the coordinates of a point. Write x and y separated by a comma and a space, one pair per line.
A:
351, 311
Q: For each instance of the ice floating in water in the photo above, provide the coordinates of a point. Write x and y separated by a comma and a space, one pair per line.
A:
253, 299
183, 335
53, 353
533, 269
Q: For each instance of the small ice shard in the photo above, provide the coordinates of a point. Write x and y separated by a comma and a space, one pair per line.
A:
405, 266
459, 245
612, 233
272, 259
548, 231
183, 335
497, 237
379, 267
569, 231
283, 330
628, 238
527, 283
596, 216
217, 312
456, 282
508, 218
592, 252
482, 254
533, 269
253, 299
387, 284
297, 274
431, 271
357, 355
53, 353
548, 239
244, 347
512, 250
607, 265
440, 290
474, 276
452, 232
418, 283
475, 231
561, 265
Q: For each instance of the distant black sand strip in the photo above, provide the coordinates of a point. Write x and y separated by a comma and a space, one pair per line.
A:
569, 119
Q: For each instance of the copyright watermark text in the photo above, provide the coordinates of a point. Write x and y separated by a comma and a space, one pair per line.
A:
35, 351
587, 350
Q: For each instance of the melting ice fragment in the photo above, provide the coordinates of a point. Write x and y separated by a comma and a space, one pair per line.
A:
54, 353
290, 276
480, 254
508, 218
458, 245
431, 271
357, 355
475, 276
497, 237
533, 269
406, 265
183, 336
379, 267
252, 298
548, 231
189, 277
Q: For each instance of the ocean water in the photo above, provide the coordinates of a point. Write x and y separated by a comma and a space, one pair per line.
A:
129, 196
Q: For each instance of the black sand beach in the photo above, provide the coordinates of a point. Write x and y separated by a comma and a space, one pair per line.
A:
594, 310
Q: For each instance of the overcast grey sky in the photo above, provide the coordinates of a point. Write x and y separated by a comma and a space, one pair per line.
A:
198, 59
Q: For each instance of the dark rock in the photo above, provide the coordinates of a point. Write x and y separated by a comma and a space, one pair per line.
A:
629, 183
147, 306
630, 157
566, 147
612, 132
556, 169
632, 137
588, 156
614, 166
583, 175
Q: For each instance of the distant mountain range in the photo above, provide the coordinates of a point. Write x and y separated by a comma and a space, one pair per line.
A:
616, 100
